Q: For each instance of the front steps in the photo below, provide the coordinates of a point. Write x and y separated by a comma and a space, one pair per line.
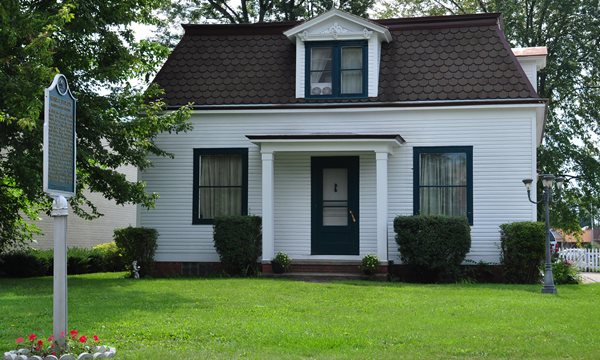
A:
325, 270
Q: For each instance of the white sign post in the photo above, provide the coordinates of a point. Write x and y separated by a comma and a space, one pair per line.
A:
59, 183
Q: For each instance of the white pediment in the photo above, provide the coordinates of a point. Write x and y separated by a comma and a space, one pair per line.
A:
338, 25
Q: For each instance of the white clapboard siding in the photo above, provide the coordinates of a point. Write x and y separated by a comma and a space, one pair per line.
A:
529, 67
503, 143
89, 233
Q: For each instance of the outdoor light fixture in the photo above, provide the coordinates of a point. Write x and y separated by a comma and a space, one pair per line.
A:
547, 181
560, 181
527, 183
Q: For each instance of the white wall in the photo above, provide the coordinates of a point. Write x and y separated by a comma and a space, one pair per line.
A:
503, 141
529, 67
88, 233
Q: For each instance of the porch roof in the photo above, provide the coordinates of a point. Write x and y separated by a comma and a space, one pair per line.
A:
327, 142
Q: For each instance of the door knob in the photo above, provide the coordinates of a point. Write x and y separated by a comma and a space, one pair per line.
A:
352, 214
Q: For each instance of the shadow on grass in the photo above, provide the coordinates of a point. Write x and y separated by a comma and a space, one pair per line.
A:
94, 300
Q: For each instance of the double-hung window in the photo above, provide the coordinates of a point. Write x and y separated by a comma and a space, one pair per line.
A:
220, 184
443, 181
336, 69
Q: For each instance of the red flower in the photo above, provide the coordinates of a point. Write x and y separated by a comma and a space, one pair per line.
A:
82, 339
19, 340
96, 339
32, 337
51, 338
73, 333
40, 342
62, 334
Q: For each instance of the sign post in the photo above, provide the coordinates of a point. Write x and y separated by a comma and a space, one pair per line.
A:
59, 183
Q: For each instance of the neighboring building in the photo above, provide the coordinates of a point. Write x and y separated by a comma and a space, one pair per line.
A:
332, 127
591, 235
568, 241
88, 233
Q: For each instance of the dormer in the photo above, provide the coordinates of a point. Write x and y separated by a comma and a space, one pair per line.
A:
532, 60
337, 56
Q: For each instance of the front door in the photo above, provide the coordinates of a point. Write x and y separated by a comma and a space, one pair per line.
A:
334, 205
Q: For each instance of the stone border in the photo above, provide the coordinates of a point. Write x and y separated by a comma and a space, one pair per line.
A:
102, 352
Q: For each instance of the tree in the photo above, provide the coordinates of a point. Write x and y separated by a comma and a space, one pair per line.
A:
570, 29
249, 11
93, 44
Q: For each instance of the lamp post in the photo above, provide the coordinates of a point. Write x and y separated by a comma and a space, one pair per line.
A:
547, 181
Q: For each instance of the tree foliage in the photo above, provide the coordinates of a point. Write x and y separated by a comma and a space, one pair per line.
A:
249, 11
91, 42
570, 29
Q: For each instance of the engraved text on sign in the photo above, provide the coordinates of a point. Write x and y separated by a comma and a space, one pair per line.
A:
60, 147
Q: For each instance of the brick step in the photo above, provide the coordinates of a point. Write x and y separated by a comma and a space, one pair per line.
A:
324, 276
348, 267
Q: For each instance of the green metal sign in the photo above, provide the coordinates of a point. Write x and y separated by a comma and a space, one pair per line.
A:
59, 138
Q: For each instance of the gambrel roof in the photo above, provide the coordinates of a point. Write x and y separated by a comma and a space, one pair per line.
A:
432, 59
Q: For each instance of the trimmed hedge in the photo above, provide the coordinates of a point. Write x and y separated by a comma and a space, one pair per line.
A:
32, 262
137, 243
434, 245
110, 257
523, 250
238, 241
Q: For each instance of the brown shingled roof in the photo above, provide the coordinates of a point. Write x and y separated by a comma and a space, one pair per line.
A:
447, 58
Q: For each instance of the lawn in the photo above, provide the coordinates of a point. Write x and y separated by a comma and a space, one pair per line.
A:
281, 319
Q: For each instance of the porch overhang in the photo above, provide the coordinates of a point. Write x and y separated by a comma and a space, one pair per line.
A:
381, 144
321, 142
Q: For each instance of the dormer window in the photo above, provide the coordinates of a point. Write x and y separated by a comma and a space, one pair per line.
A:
332, 53
336, 69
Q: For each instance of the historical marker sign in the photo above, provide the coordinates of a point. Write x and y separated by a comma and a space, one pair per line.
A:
59, 138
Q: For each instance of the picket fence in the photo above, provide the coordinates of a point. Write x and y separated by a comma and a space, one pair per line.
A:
584, 259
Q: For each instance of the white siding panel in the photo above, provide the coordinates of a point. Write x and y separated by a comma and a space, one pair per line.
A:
529, 67
503, 154
89, 233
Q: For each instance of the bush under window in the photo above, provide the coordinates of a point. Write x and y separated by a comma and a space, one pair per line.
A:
238, 241
436, 245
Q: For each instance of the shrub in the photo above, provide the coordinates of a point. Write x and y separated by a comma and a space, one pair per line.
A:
522, 251
25, 263
81, 261
433, 244
110, 257
32, 262
369, 264
137, 243
564, 272
238, 242
281, 263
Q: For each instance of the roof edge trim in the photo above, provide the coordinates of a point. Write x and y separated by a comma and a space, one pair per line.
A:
399, 104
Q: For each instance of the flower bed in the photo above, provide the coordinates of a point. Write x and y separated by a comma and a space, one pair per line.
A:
66, 349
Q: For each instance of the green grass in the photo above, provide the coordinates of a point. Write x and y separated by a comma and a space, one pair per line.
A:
279, 319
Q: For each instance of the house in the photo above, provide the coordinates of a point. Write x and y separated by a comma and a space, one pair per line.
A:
332, 127
591, 235
89, 233
588, 237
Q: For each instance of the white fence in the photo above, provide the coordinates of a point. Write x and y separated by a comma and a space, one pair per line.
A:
584, 259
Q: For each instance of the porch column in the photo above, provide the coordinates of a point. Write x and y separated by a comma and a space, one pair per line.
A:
268, 235
382, 205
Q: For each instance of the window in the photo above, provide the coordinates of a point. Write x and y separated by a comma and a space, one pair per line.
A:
336, 69
443, 181
220, 184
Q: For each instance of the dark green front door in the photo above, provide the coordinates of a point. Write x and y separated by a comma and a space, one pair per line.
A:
334, 196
